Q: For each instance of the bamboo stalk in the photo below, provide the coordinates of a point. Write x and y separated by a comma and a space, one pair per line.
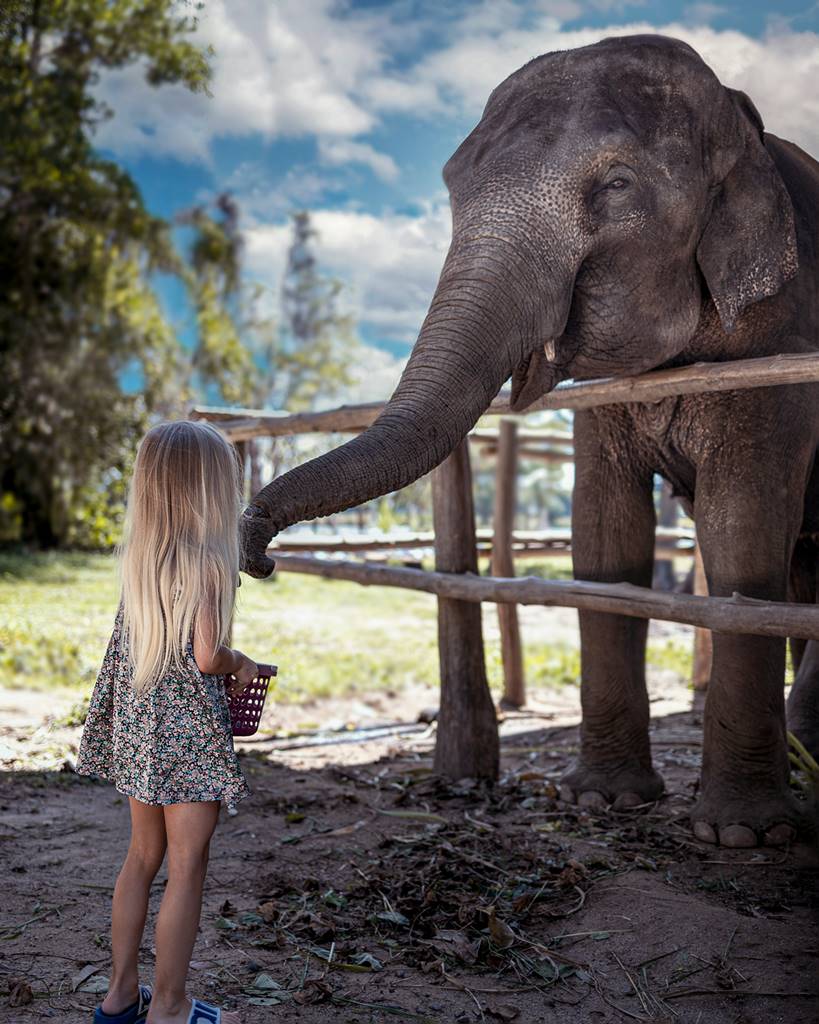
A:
735, 614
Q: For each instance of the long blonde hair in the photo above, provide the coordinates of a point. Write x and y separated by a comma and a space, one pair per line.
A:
181, 544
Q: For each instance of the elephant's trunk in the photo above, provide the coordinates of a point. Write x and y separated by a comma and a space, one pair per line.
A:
467, 348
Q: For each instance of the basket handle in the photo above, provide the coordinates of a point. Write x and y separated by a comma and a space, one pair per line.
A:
266, 671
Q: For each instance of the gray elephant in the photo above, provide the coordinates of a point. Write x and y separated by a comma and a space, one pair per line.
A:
615, 210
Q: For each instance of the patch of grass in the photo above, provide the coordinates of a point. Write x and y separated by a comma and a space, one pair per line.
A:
329, 638
552, 665
672, 655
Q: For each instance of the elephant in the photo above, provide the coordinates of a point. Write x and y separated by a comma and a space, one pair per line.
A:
616, 210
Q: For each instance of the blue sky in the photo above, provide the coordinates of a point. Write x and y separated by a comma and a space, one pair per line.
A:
350, 109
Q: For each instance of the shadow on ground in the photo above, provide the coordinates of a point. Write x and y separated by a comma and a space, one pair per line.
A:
365, 890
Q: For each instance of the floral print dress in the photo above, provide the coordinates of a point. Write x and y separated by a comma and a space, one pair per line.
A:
170, 744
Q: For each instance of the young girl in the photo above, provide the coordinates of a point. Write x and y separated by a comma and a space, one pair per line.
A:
158, 725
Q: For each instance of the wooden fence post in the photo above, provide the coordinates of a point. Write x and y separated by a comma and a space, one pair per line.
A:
467, 744
703, 643
503, 563
241, 455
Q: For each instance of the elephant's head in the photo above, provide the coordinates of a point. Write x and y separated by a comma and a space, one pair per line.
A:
604, 195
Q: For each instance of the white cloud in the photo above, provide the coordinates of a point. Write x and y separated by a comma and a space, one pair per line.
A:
283, 69
374, 377
346, 151
779, 70
390, 262
326, 70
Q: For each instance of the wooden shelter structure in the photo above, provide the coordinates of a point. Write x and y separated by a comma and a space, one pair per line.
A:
467, 742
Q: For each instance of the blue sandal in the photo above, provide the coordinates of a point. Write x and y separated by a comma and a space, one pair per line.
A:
135, 1013
204, 1013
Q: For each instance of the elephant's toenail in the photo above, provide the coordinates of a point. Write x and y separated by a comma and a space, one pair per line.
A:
704, 832
780, 835
737, 836
567, 794
592, 799
626, 800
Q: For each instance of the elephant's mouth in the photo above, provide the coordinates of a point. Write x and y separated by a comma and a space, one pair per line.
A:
536, 376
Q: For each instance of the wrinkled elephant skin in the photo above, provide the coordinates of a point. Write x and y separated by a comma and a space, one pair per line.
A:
615, 210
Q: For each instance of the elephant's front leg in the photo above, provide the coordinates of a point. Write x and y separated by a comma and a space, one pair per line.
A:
748, 514
612, 541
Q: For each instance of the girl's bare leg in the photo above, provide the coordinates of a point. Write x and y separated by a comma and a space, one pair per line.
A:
130, 905
189, 828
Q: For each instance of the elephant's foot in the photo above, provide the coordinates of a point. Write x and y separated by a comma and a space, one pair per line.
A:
621, 787
755, 819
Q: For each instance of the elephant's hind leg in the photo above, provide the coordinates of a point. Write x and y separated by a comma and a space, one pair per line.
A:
612, 541
744, 796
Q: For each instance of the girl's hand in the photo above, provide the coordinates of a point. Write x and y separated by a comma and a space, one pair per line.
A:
243, 675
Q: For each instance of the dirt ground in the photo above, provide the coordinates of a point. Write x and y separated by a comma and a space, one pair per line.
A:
355, 887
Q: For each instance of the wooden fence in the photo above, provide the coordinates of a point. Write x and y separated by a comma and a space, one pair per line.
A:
467, 730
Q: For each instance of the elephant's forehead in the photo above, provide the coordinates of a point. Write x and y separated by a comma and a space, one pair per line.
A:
640, 80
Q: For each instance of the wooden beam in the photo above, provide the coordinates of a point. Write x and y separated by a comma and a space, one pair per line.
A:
521, 548
735, 614
699, 378
467, 744
241, 424
532, 452
503, 563
491, 437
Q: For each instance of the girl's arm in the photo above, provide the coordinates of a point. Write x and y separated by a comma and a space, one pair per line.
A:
219, 660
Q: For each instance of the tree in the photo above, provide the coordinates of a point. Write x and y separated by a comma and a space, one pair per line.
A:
307, 358
78, 249
219, 358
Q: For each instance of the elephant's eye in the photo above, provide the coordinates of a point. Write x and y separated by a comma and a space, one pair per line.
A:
617, 183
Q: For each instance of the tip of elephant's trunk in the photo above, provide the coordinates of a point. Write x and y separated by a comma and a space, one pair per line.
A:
256, 530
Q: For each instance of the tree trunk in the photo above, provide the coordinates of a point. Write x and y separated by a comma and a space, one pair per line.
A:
467, 743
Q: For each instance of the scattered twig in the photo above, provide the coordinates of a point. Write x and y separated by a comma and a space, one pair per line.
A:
730, 992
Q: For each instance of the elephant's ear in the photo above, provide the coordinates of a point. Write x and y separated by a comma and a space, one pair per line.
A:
748, 248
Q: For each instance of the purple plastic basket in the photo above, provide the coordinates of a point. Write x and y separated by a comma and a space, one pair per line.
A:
246, 707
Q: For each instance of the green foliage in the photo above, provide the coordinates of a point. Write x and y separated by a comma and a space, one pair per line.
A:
310, 354
220, 358
77, 250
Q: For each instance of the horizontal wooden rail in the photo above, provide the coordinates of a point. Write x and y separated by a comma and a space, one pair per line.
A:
556, 539
491, 437
244, 424
531, 546
736, 614
532, 452
768, 371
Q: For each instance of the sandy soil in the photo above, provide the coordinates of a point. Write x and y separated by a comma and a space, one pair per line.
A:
355, 887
